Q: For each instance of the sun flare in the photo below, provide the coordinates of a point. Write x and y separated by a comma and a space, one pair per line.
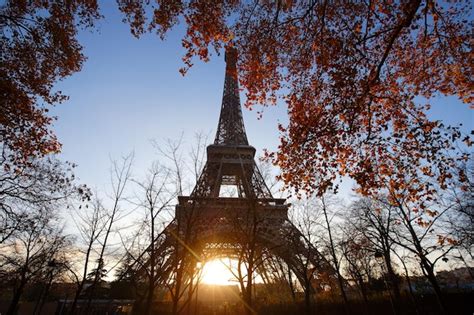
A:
216, 272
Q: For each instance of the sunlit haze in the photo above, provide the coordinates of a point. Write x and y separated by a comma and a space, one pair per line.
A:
216, 272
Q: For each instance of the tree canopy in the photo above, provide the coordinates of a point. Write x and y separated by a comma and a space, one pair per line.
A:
354, 75
38, 47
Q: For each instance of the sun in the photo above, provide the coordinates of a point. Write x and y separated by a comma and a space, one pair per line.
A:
216, 272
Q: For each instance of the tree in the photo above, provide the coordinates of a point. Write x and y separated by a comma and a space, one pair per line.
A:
278, 279
249, 253
183, 269
359, 255
305, 214
90, 222
98, 273
349, 73
461, 220
198, 154
38, 47
55, 270
125, 271
420, 232
375, 222
28, 253
30, 198
120, 175
124, 286
156, 197
161, 255
332, 249
43, 183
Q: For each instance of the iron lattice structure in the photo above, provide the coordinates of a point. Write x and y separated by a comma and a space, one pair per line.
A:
208, 225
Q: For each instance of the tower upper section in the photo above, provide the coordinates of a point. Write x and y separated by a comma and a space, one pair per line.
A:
231, 129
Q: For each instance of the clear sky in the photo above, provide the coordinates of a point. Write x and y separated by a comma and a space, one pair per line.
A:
130, 91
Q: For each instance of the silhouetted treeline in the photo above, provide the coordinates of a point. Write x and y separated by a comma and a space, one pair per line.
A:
59, 241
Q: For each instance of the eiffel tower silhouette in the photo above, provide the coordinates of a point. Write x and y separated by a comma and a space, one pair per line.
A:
210, 224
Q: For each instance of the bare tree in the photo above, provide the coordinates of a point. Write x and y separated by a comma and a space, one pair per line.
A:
269, 175
24, 190
358, 252
404, 262
250, 254
56, 270
336, 261
461, 219
375, 221
306, 216
28, 252
90, 222
120, 176
420, 232
198, 154
172, 152
278, 278
181, 231
184, 274
155, 197
152, 248
30, 198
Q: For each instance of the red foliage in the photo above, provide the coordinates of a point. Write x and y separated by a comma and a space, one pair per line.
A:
38, 48
349, 73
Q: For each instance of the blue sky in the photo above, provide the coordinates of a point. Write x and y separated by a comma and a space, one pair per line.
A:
130, 91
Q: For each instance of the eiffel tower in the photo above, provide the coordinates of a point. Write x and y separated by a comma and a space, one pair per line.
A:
210, 224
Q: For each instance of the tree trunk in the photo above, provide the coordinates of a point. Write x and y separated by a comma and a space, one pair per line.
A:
429, 273
149, 299
44, 295
13, 308
426, 266
290, 282
84, 275
410, 288
177, 293
151, 278
190, 293
248, 289
335, 261
393, 281
307, 296
76, 297
363, 293
248, 300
